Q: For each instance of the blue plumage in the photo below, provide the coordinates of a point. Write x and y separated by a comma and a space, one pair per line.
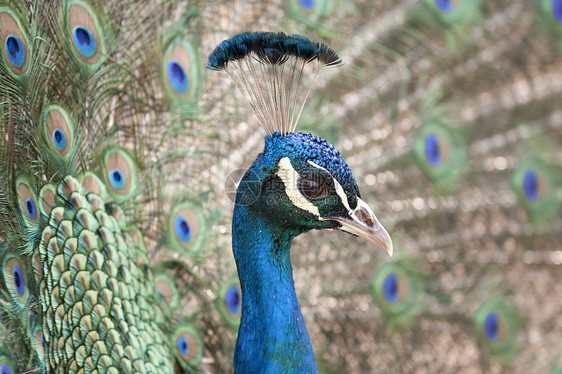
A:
491, 326
84, 41
6, 369
298, 183
391, 288
59, 139
15, 50
270, 47
444, 5
233, 297
177, 77
182, 229
557, 10
272, 336
531, 185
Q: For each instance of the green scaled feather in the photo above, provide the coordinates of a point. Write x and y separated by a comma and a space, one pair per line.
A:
497, 325
398, 288
92, 183
93, 282
166, 289
536, 185
47, 199
229, 302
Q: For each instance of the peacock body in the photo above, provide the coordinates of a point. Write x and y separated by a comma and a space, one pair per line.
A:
115, 228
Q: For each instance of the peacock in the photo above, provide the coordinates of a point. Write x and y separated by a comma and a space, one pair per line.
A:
140, 233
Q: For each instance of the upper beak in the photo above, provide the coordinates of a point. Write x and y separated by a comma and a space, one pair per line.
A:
365, 224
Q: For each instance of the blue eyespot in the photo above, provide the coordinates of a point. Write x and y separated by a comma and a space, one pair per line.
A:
84, 41
390, 288
182, 345
444, 5
59, 139
117, 180
492, 326
531, 185
307, 4
6, 369
17, 274
177, 77
557, 10
31, 209
15, 51
182, 229
233, 299
432, 150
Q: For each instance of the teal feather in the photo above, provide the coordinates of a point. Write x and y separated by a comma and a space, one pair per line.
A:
497, 325
399, 290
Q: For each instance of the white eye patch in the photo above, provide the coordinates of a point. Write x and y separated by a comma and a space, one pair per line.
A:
289, 177
339, 188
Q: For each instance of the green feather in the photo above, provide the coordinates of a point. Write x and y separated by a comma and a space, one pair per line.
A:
398, 288
84, 34
120, 173
187, 230
229, 302
312, 14
182, 73
536, 184
14, 35
166, 289
453, 20
497, 325
441, 154
188, 345
550, 20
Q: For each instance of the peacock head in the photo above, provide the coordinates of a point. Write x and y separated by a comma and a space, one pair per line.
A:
300, 182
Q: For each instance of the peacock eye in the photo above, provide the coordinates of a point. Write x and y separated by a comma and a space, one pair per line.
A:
313, 187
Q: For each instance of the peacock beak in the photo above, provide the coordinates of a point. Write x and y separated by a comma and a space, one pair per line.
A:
364, 223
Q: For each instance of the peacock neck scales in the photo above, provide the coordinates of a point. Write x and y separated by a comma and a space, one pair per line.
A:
272, 337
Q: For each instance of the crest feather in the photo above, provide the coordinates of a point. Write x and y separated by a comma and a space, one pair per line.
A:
268, 68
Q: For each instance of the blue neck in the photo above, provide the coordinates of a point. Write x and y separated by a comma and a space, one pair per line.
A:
272, 337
